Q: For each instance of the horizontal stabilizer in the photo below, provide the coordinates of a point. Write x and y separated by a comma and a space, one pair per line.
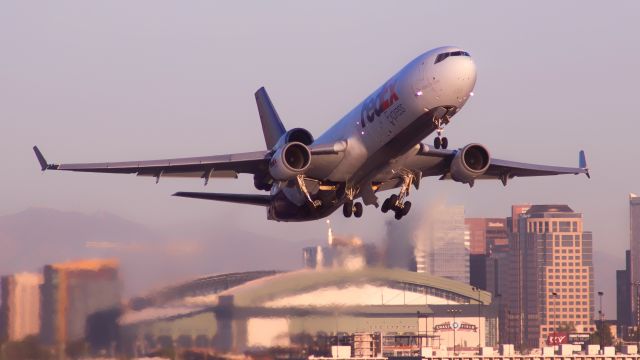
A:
249, 199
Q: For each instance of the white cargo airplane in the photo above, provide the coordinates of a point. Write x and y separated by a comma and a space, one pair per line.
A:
375, 147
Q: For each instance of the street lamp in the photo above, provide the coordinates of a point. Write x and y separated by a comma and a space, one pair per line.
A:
508, 327
601, 315
418, 332
637, 285
425, 315
479, 327
554, 295
453, 312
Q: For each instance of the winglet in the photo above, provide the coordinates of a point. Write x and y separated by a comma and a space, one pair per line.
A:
582, 163
43, 162
41, 159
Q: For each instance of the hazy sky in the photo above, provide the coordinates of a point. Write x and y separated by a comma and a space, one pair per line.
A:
120, 80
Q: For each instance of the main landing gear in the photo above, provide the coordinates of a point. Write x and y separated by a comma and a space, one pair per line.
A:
396, 202
352, 208
440, 141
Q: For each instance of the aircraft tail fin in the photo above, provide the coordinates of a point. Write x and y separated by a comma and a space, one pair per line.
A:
248, 199
272, 127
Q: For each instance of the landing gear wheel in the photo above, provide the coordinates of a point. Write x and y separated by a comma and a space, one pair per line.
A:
393, 199
398, 215
406, 208
357, 209
445, 142
347, 209
386, 205
437, 142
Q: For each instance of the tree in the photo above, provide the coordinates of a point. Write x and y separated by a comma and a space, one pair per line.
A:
29, 348
76, 349
602, 336
165, 352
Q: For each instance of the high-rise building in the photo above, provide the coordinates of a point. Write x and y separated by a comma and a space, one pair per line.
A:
71, 292
20, 308
548, 284
507, 278
634, 246
623, 297
486, 236
442, 244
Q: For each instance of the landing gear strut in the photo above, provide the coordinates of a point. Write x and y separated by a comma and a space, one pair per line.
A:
396, 202
440, 141
303, 188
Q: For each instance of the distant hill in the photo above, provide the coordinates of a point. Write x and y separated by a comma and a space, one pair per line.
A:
149, 257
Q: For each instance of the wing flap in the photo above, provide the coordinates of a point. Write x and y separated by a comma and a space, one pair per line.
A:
222, 174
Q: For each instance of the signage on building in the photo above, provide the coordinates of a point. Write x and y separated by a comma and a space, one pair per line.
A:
455, 326
579, 338
564, 338
557, 338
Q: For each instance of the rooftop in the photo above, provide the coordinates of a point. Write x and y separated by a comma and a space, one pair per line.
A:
536, 209
92, 264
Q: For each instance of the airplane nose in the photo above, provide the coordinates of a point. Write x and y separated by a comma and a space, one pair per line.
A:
464, 77
450, 80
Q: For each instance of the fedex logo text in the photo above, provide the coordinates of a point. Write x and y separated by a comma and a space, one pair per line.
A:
378, 103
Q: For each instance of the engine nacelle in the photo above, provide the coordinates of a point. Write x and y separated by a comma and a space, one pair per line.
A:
289, 161
295, 135
469, 163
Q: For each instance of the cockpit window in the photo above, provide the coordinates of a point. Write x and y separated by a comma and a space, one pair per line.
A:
443, 56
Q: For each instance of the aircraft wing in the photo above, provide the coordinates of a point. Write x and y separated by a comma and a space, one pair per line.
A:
503, 168
429, 161
202, 167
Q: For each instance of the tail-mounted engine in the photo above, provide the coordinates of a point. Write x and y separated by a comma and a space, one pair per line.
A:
295, 135
292, 156
289, 161
469, 163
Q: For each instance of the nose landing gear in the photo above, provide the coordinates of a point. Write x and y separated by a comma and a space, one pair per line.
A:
440, 141
395, 202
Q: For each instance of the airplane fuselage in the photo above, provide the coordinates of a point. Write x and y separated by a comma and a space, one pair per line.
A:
384, 126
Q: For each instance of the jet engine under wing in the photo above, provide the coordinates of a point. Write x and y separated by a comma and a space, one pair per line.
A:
436, 162
204, 167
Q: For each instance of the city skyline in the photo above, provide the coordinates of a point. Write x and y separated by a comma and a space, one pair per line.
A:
92, 86
130, 247
540, 239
